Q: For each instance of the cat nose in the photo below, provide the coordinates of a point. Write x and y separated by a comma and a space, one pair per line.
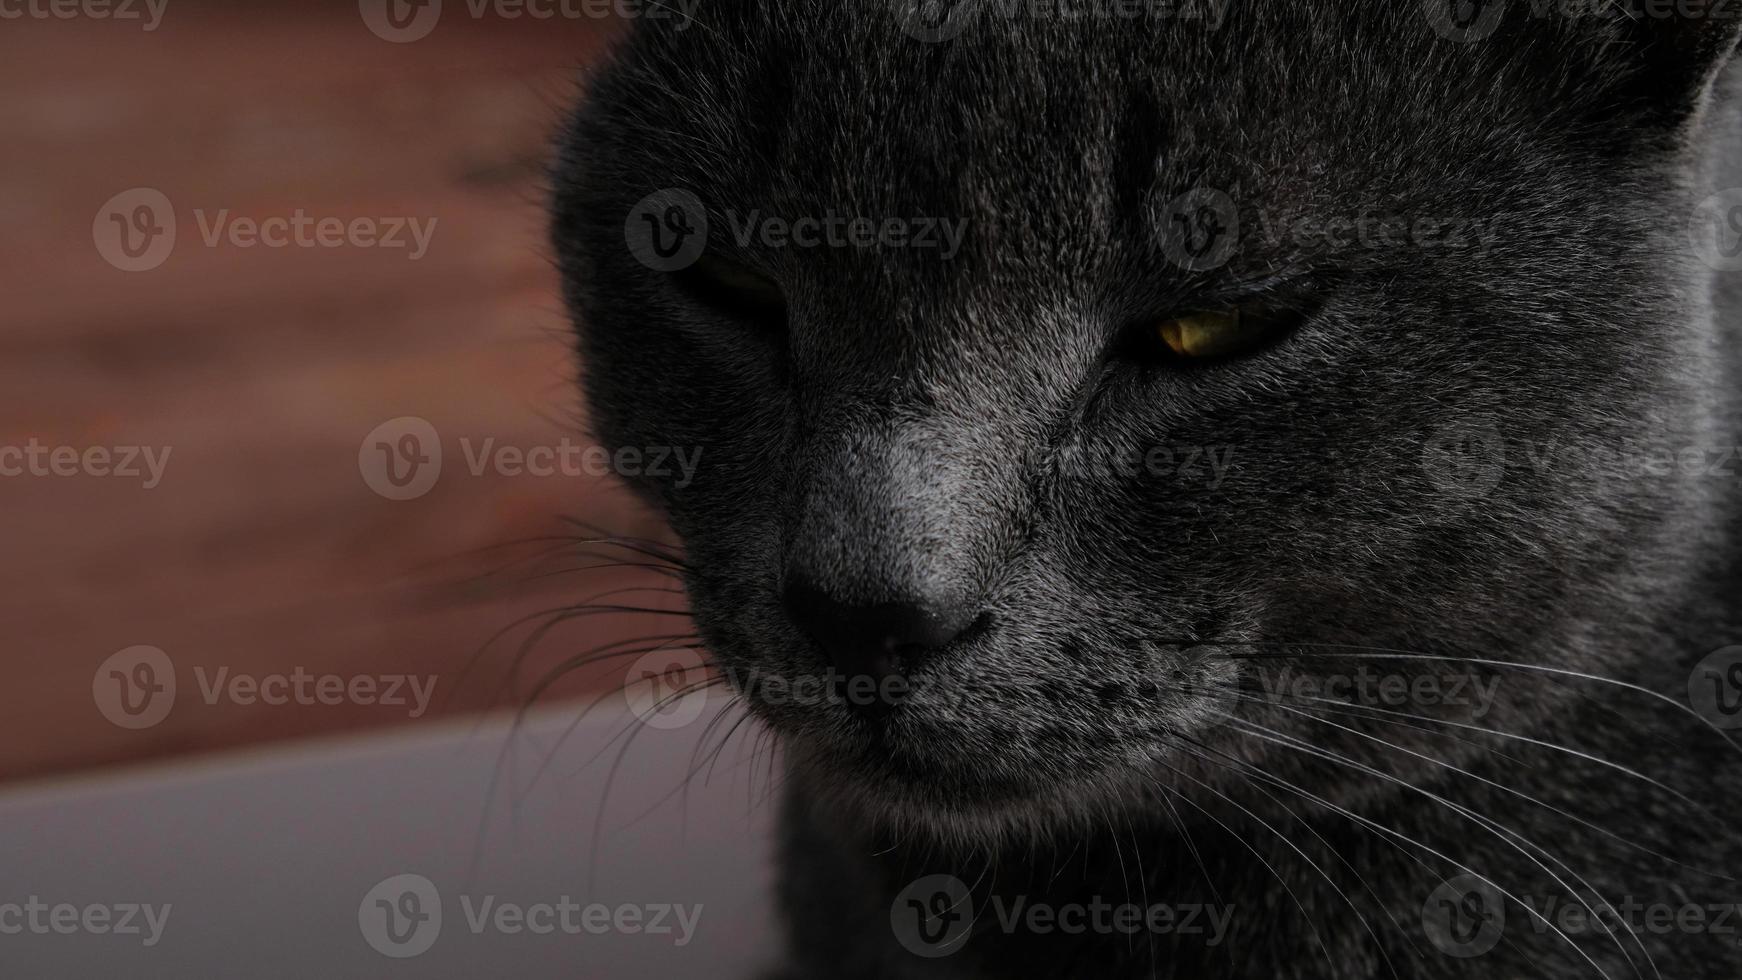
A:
876, 641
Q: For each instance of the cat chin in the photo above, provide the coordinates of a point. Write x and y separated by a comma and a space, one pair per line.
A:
953, 810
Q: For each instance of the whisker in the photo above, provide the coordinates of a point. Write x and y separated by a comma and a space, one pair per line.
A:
646, 546
1323, 948
1388, 834
1303, 856
1522, 795
563, 669
1349, 709
1271, 735
1389, 653
557, 618
695, 768
1329, 847
634, 729
1697, 805
1489, 731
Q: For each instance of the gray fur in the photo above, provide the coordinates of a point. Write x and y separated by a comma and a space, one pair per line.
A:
919, 430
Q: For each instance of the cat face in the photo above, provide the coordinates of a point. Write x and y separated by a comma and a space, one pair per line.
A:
1077, 379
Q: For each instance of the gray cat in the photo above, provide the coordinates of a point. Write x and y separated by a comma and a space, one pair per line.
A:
1200, 490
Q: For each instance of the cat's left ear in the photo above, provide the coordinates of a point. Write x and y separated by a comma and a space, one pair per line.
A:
1677, 49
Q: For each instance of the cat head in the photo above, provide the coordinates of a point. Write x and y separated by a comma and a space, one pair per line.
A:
1060, 383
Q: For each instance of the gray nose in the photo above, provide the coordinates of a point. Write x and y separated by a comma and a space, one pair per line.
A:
875, 641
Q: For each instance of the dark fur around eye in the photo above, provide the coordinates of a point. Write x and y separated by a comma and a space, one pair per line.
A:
733, 290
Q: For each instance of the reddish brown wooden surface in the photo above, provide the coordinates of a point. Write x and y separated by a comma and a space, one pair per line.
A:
262, 369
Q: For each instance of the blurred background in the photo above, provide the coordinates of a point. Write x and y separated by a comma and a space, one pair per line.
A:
252, 375
279, 333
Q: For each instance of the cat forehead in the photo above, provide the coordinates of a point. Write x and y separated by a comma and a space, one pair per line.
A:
836, 106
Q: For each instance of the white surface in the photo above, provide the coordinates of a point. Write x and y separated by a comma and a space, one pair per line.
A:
265, 859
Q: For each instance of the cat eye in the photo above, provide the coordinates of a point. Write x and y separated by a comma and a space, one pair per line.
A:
1212, 334
729, 288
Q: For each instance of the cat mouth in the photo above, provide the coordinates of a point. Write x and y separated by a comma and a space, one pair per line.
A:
985, 732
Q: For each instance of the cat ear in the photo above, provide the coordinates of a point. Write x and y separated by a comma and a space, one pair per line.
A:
1670, 52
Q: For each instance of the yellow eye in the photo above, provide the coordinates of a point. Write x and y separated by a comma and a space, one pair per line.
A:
1224, 332
1210, 334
